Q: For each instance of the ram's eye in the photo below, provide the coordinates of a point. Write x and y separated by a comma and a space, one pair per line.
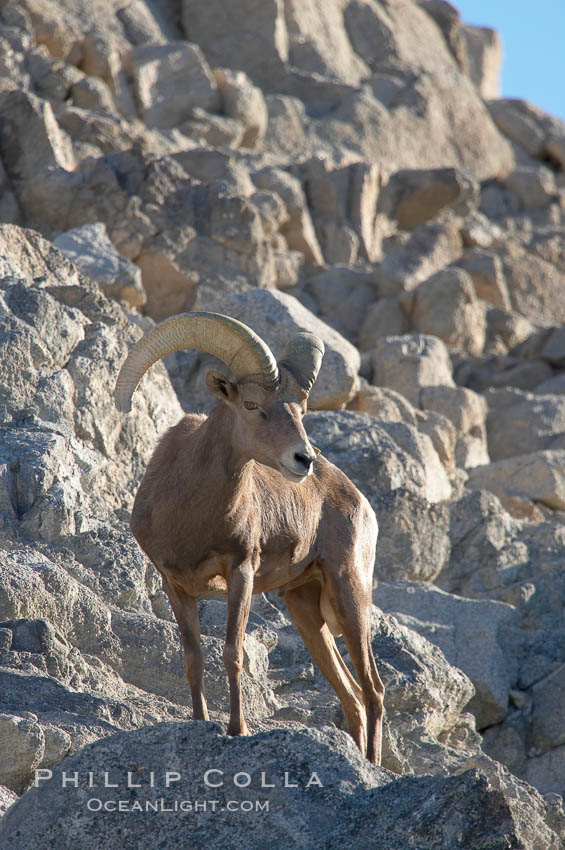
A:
250, 405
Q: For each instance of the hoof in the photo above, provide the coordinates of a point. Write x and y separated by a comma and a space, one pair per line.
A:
238, 730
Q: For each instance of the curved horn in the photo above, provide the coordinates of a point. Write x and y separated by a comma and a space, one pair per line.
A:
303, 356
231, 341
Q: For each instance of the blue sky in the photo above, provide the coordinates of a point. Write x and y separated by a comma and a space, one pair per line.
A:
533, 37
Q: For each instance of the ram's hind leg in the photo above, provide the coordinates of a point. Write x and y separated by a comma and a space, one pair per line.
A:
186, 614
350, 597
304, 606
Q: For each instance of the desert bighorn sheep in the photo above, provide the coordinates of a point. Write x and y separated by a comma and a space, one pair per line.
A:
240, 502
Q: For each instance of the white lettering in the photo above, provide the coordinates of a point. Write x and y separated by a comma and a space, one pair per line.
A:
244, 782
107, 783
41, 773
131, 783
207, 778
264, 783
171, 776
288, 783
72, 779
314, 780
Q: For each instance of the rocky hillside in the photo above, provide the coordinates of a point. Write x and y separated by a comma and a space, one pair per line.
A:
345, 167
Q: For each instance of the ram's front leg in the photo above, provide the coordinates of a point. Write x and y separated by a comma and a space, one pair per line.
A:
240, 588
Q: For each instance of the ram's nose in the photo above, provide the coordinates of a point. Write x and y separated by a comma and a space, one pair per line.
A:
298, 463
305, 460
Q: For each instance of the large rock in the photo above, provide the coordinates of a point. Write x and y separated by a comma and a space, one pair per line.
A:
386, 405
276, 316
487, 275
76, 449
342, 295
331, 795
229, 36
534, 187
159, 69
420, 446
384, 317
547, 772
244, 102
548, 727
298, 230
81, 450
7, 797
91, 250
73, 35
506, 329
505, 371
324, 50
446, 306
484, 54
167, 280
425, 694
414, 196
519, 423
555, 147
536, 287
543, 609
539, 476
409, 362
516, 124
443, 435
149, 645
467, 411
448, 20
523, 123
554, 347
494, 556
482, 540
398, 49
22, 744
343, 202
378, 456
458, 626
389, 406
402, 37
429, 249
30, 138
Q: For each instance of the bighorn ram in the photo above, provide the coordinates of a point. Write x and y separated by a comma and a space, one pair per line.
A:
240, 502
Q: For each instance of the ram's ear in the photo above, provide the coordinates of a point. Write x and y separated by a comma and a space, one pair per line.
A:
221, 386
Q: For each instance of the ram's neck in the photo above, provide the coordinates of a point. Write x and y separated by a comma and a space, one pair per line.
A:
219, 452
221, 470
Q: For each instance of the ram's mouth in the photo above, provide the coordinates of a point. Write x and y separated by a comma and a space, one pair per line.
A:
292, 476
